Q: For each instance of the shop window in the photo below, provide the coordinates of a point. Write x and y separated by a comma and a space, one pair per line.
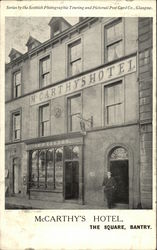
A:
75, 60
46, 167
44, 117
114, 44
74, 113
16, 126
44, 71
114, 104
34, 169
17, 84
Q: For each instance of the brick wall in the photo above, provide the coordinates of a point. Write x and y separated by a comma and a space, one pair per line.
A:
145, 108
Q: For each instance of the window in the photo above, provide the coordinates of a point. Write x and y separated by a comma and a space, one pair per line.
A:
16, 126
17, 84
44, 116
114, 104
114, 41
74, 113
75, 62
46, 167
45, 71
56, 28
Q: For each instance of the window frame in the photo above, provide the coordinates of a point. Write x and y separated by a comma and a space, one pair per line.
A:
104, 109
14, 73
39, 118
13, 114
41, 59
69, 115
70, 45
115, 41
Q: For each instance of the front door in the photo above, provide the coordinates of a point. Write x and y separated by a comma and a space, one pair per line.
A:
119, 170
71, 180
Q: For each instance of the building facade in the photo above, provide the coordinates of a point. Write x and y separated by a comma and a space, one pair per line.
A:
77, 106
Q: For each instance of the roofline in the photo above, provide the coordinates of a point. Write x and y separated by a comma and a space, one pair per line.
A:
53, 40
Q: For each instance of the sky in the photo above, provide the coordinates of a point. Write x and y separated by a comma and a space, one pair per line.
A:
18, 30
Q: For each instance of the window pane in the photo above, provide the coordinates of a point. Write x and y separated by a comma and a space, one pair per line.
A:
110, 114
115, 51
76, 67
110, 53
45, 128
75, 52
18, 78
45, 113
75, 105
109, 96
17, 84
110, 34
56, 29
44, 121
42, 167
114, 32
75, 152
50, 169
18, 90
114, 104
75, 122
17, 134
45, 79
119, 114
59, 168
68, 152
17, 121
118, 93
118, 29
34, 173
46, 65
118, 50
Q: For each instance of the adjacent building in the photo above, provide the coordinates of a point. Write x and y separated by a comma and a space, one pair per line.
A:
77, 106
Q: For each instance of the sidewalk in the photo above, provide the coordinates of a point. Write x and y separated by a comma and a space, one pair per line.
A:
21, 203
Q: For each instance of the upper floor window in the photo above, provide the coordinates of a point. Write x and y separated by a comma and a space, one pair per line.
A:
56, 28
74, 113
45, 71
44, 116
75, 60
114, 104
16, 126
114, 41
17, 84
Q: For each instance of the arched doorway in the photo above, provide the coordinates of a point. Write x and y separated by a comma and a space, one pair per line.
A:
119, 168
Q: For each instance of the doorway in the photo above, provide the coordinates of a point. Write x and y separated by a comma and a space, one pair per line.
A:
71, 180
119, 170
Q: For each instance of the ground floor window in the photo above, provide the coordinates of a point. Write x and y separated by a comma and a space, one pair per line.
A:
46, 168
56, 169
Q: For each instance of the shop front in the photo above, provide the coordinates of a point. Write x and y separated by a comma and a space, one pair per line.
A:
55, 170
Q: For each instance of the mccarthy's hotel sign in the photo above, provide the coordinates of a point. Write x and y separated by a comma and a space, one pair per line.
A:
102, 75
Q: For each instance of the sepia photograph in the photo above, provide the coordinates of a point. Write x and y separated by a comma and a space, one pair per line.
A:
78, 112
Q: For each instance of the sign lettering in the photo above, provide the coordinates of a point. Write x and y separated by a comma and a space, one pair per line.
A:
102, 75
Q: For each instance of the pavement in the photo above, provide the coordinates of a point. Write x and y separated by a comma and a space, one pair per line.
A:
26, 203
